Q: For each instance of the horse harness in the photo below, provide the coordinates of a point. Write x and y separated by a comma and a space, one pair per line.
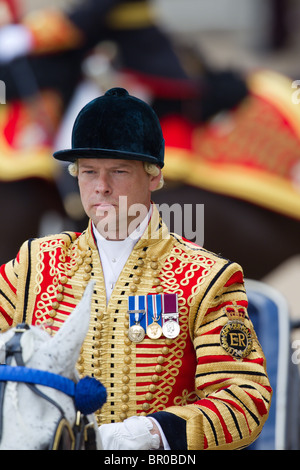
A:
82, 436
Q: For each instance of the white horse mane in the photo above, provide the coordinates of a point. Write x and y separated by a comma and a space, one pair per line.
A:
29, 421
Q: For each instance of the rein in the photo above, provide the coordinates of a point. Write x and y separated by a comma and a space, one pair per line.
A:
82, 435
37, 377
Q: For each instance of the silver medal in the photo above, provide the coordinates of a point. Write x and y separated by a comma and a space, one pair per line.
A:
171, 329
136, 333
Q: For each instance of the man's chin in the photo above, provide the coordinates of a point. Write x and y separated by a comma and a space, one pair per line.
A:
110, 227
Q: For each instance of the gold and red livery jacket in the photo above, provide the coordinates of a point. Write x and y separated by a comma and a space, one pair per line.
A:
203, 395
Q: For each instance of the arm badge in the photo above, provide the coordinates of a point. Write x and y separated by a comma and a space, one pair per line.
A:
235, 337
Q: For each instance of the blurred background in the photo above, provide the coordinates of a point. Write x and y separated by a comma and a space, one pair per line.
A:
239, 33
212, 69
219, 74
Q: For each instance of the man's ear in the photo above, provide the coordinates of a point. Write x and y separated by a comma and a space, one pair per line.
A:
154, 180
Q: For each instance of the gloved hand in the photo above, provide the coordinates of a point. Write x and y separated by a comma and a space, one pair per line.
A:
15, 41
133, 434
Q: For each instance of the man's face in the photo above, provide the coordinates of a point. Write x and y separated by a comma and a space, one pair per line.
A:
110, 191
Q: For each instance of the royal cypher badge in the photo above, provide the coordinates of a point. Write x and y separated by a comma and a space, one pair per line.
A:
235, 337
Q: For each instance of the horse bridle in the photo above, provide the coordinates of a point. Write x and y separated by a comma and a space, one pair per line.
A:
82, 436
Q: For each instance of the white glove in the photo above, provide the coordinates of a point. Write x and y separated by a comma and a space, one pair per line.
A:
15, 41
133, 434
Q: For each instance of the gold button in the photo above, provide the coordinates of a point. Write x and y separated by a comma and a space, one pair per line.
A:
50, 321
64, 280
124, 408
154, 265
97, 372
127, 360
159, 289
155, 378
138, 271
86, 277
79, 260
125, 379
152, 388
97, 335
55, 305
80, 369
60, 288
125, 389
123, 416
127, 350
59, 297
149, 396
136, 279
154, 258
88, 260
146, 406
126, 370
124, 398
140, 262
160, 359
133, 288
88, 268
156, 282
158, 368
155, 273
52, 313
165, 350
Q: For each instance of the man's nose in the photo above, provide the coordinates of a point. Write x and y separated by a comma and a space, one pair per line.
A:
103, 185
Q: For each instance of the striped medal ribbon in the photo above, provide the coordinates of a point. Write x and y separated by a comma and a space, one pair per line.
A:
137, 321
154, 311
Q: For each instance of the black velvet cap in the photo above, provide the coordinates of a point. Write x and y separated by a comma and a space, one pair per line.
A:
116, 125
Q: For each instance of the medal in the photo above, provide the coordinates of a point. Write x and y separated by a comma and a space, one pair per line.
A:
171, 329
154, 330
136, 333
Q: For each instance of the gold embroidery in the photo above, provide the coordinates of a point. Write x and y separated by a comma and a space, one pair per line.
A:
186, 398
139, 378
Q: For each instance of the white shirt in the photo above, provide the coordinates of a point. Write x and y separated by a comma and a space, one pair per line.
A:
114, 253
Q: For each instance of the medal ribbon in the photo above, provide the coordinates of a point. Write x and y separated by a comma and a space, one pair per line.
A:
154, 309
137, 310
144, 310
170, 304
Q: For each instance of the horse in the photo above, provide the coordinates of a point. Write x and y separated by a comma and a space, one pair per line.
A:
43, 405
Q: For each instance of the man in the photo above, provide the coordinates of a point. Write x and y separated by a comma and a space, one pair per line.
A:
169, 334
